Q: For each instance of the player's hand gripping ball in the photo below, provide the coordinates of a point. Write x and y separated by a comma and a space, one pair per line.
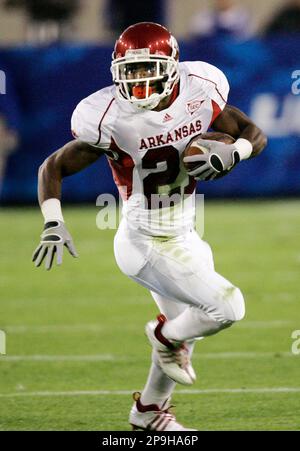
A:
210, 161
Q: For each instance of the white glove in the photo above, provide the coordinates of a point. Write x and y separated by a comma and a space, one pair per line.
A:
53, 239
219, 157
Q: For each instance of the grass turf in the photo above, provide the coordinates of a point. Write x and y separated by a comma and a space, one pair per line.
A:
90, 319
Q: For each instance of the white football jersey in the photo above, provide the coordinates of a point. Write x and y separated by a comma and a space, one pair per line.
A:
144, 147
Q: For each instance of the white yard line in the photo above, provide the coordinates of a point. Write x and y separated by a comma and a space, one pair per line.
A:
41, 329
61, 358
265, 324
23, 329
275, 390
241, 355
117, 358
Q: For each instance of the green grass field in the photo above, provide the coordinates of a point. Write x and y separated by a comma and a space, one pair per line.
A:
75, 336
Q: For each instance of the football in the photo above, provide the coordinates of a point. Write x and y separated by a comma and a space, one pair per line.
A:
193, 148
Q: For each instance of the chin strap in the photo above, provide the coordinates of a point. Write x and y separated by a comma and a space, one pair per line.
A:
153, 99
147, 104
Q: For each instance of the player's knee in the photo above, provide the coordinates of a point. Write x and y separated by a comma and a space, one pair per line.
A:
237, 305
123, 247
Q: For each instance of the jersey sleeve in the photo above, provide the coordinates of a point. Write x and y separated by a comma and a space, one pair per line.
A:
216, 83
89, 120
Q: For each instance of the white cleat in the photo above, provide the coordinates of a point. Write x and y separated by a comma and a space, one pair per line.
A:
153, 418
174, 357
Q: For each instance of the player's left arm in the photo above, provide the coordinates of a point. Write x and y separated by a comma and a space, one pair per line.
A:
222, 158
237, 124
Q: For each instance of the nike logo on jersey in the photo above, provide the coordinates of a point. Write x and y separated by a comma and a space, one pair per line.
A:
171, 137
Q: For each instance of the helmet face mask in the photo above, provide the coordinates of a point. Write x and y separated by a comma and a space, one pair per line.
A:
145, 75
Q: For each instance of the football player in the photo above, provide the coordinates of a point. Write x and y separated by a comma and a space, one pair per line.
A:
143, 123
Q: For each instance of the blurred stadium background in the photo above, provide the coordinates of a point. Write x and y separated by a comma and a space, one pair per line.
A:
79, 329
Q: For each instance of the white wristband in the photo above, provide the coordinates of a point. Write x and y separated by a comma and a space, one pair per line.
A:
51, 210
244, 148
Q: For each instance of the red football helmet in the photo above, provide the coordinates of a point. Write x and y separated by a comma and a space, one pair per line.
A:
145, 64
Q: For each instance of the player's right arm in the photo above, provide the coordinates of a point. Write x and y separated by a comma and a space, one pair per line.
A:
70, 159
90, 124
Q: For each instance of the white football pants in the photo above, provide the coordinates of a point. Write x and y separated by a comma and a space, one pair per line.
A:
179, 272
